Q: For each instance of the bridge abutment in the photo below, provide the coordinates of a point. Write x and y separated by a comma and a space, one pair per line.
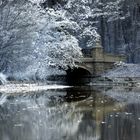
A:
99, 61
93, 64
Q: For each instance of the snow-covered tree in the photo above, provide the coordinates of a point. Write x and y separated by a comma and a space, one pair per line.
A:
54, 46
116, 22
17, 29
80, 11
87, 15
33, 39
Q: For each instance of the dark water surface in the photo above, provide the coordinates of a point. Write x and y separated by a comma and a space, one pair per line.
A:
78, 113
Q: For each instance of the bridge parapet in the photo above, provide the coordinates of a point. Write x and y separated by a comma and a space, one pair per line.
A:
113, 58
99, 61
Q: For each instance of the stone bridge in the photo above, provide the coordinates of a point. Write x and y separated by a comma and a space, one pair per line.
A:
93, 64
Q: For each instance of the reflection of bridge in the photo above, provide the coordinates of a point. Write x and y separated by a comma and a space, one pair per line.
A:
94, 63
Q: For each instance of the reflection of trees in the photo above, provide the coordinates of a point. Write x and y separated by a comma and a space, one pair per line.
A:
87, 126
77, 93
74, 114
122, 126
37, 116
48, 114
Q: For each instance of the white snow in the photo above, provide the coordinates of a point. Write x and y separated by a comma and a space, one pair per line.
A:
124, 70
23, 88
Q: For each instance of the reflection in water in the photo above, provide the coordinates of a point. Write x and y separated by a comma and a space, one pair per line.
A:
77, 94
78, 113
122, 126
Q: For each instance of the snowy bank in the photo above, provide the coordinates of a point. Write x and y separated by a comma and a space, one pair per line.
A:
24, 88
124, 70
123, 75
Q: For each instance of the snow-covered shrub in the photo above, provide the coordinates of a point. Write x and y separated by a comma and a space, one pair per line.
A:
120, 63
3, 79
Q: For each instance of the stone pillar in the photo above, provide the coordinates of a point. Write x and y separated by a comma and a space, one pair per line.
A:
97, 54
98, 58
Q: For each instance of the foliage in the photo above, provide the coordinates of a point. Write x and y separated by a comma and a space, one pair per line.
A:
32, 39
17, 29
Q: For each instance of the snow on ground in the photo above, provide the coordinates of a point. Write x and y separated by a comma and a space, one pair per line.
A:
124, 70
23, 88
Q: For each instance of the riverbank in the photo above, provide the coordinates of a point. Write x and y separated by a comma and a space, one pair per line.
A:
28, 87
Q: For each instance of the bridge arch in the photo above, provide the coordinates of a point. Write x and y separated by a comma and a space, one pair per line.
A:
78, 75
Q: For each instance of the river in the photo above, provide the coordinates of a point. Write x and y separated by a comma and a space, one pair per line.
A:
72, 113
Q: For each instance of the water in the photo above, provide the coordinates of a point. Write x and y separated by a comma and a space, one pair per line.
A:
74, 113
